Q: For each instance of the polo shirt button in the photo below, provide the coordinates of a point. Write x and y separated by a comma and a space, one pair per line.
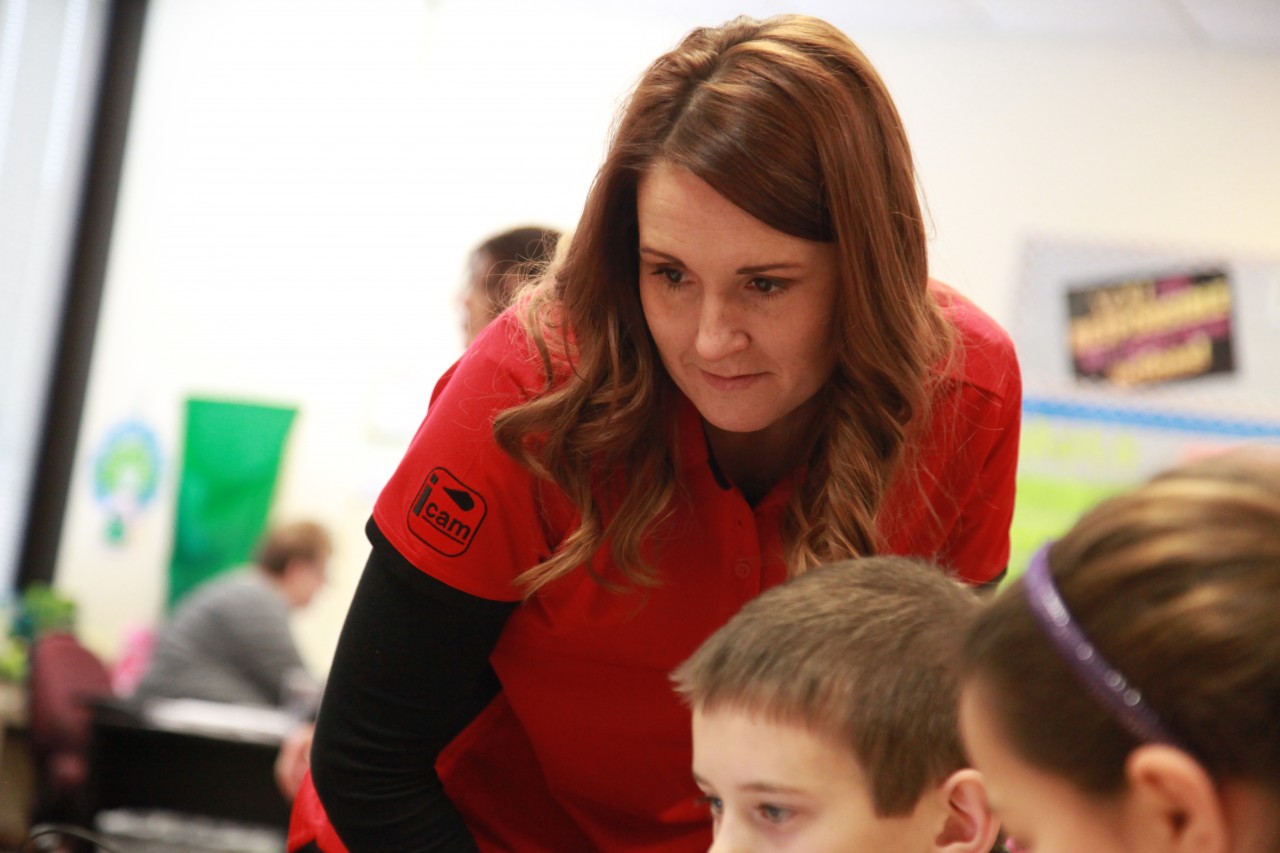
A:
742, 569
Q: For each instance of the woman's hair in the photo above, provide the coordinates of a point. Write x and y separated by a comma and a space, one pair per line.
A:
863, 651
509, 256
787, 119
1177, 586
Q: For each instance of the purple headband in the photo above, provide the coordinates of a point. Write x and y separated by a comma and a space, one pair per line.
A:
1111, 689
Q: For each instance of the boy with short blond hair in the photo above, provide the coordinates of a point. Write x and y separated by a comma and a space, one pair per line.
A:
824, 716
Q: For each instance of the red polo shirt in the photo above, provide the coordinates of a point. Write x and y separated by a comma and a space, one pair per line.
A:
587, 747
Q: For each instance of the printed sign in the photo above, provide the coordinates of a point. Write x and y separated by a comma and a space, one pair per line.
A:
1151, 330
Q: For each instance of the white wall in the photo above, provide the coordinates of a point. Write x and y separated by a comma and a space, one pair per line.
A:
304, 180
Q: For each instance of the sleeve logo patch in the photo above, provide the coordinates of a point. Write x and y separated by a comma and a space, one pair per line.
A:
446, 514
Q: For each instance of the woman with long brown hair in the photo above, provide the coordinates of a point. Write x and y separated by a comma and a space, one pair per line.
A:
738, 369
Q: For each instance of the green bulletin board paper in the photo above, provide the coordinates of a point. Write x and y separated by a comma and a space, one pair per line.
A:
1046, 508
231, 460
1073, 456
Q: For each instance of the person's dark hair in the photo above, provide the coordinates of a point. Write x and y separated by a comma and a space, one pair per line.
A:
1177, 585
301, 540
863, 651
787, 119
512, 255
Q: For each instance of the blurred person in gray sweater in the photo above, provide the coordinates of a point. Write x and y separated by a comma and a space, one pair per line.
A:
229, 640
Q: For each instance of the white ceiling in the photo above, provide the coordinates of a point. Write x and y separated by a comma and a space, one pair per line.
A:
1219, 24
1222, 23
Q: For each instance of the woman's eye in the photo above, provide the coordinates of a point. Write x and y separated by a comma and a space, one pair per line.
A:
670, 274
767, 286
714, 804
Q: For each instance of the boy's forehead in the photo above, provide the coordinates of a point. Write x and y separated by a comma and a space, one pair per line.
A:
754, 731
813, 719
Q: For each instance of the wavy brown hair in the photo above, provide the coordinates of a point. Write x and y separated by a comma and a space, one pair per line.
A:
1177, 584
787, 119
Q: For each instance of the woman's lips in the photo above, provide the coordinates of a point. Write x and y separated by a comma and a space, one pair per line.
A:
729, 383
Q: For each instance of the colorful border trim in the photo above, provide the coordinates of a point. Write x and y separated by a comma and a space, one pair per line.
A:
1150, 418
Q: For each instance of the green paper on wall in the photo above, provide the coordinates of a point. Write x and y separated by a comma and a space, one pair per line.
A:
230, 463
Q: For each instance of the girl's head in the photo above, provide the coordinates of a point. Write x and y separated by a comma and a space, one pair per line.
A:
1129, 684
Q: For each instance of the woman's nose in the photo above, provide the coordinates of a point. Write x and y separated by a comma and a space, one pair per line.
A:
721, 331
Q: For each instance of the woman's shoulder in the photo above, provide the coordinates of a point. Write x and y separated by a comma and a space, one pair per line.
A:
984, 353
506, 345
506, 361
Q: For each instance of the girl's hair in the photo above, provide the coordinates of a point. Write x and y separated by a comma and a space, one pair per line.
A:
1177, 585
787, 119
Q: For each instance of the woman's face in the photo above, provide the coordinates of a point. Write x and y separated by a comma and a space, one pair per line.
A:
742, 315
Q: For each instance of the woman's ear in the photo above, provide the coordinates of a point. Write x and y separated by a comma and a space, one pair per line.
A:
1174, 804
969, 826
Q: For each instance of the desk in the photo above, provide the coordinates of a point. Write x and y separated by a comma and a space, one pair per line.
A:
137, 764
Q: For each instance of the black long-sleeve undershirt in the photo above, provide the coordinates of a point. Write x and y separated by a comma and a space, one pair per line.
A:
410, 671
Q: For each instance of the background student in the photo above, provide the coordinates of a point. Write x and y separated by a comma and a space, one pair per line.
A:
496, 268
1125, 693
229, 640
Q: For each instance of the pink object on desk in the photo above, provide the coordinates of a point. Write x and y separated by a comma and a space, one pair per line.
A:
133, 661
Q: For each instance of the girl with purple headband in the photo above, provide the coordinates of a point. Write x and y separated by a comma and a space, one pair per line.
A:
1124, 694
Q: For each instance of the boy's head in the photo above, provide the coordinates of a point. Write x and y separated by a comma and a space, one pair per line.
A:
296, 557
825, 715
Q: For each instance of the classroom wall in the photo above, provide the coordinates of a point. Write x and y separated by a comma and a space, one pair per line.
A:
304, 181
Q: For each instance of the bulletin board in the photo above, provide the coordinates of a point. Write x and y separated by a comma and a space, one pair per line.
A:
1135, 360
231, 460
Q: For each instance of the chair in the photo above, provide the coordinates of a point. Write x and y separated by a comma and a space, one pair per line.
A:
64, 679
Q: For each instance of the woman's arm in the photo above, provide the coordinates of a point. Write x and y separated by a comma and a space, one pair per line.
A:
410, 671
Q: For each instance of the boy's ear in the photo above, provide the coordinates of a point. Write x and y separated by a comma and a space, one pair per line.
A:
968, 825
1174, 801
